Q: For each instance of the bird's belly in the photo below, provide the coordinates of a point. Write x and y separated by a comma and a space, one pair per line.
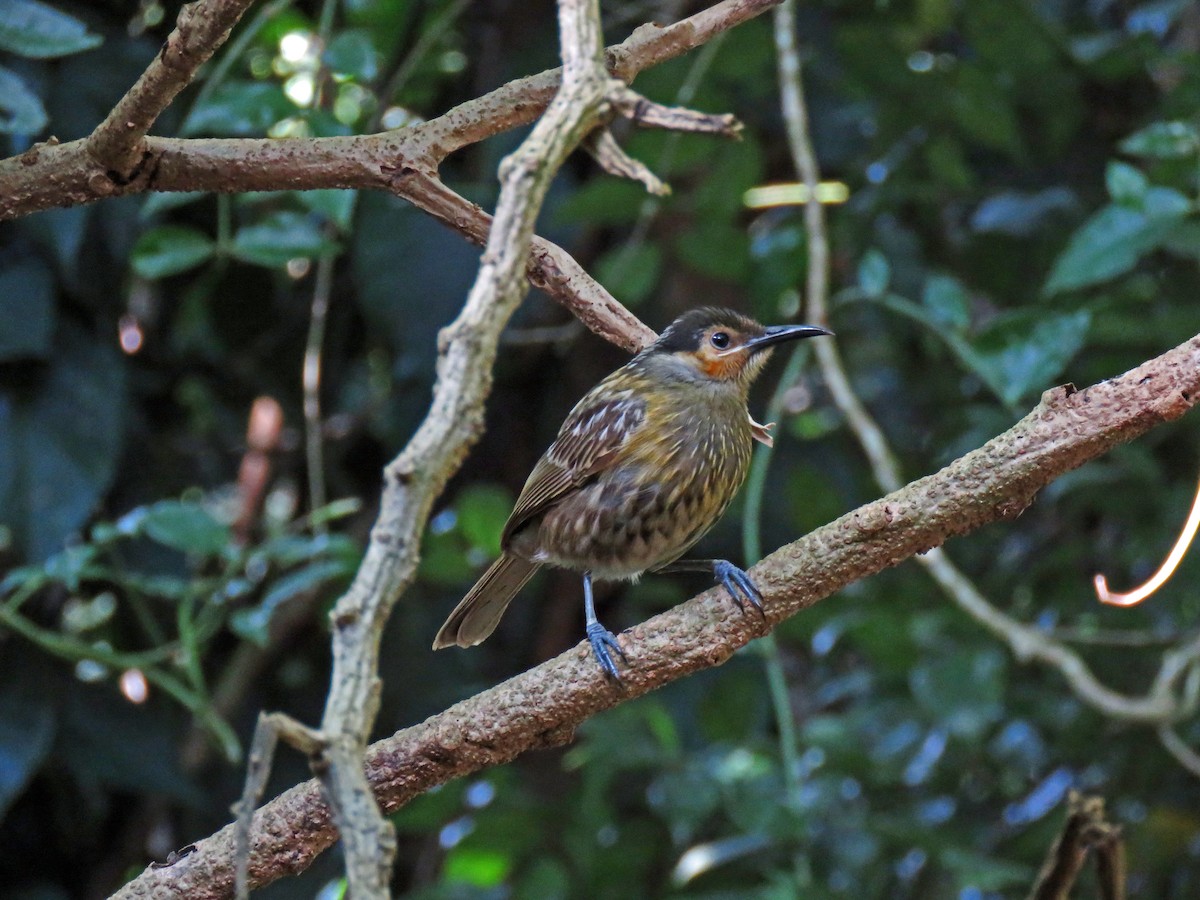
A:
634, 519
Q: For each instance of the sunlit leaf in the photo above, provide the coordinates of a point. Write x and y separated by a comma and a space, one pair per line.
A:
482, 868
239, 109
482, 512
1164, 140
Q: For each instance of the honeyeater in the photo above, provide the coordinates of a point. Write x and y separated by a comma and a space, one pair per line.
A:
642, 467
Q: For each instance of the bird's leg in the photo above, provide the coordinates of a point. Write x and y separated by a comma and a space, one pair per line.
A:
598, 636
736, 581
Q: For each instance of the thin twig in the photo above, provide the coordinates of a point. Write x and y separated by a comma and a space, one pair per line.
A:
1086, 830
117, 143
314, 439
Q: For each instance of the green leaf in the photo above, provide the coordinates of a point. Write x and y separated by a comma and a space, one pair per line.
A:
1111, 242
1126, 184
947, 302
482, 511
60, 436
169, 250
478, 867
28, 722
984, 873
602, 201
1021, 214
21, 110
239, 109
336, 205
874, 273
29, 28
1024, 350
1163, 140
27, 309
962, 690
630, 276
72, 565
353, 53
716, 248
280, 237
164, 201
254, 624
984, 110
184, 526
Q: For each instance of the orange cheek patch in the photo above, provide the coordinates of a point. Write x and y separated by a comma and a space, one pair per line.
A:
722, 367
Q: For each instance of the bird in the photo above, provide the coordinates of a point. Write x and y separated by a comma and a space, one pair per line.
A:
642, 467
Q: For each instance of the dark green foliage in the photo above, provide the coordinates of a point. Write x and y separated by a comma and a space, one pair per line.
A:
1022, 211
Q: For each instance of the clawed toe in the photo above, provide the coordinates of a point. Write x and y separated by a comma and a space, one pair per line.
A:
739, 585
602, 640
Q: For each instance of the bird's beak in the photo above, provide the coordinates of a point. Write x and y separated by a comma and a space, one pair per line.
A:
777, 334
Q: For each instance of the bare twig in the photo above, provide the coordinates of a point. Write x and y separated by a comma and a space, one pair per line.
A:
1085, 831
543, 706
117, 144
1178, 748
310, 377
604, 148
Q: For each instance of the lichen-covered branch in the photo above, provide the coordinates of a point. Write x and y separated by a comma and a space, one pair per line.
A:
543, 707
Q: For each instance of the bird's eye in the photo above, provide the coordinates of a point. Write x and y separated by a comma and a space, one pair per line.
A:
719, 339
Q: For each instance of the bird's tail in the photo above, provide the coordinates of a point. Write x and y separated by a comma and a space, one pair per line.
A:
477, 615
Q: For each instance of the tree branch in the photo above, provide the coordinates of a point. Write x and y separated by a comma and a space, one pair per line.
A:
50, 174
405, 161
118, 143
543, 707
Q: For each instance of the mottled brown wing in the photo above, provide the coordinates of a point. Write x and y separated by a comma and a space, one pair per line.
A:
587, 443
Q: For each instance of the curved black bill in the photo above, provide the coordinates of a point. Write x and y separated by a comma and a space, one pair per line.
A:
777, 334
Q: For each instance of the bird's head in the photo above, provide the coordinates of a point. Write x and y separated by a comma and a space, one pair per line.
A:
725, 346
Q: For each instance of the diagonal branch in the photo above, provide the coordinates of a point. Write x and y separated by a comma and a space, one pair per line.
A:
118, 143
543, 707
